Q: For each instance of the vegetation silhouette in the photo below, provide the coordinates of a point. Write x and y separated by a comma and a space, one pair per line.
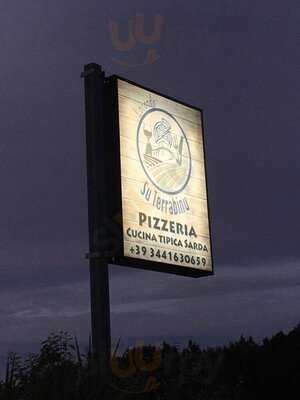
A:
241, 370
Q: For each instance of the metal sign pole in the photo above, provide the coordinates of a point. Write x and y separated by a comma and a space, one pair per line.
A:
97, 205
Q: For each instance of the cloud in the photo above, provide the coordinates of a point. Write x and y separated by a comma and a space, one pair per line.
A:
251, 278
257, 300
149, 303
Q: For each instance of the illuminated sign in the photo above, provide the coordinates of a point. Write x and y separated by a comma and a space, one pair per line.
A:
165, 219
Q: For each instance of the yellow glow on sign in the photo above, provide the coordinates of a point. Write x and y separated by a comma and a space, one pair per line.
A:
164, 196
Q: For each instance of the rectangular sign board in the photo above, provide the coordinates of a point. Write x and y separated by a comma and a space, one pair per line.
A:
165, 217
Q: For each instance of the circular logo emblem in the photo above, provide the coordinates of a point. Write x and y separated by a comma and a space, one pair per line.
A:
164, 151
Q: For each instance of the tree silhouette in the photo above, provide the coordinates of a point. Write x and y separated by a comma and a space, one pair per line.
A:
242, 370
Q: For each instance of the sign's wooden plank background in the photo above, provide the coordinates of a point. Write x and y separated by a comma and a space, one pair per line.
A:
133, 103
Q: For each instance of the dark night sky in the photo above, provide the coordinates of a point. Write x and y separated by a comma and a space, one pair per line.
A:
237, 60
